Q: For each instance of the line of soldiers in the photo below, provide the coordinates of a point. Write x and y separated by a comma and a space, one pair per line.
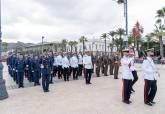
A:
34, 66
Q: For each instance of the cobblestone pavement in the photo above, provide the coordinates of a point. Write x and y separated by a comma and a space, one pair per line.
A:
74, 97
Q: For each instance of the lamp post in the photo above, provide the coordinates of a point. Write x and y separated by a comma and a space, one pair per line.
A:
3, 91
125, 2
42, 43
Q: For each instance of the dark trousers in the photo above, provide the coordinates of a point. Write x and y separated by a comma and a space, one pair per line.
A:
97, 71
80, 68
88, 74
20, 78
116, 70
66, 74
36, 77
55, 69
111, 69
75, 73
150, 89
134, 73
45, 81
59, 71
126, 89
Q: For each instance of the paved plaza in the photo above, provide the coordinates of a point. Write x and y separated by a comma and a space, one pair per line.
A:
75, 97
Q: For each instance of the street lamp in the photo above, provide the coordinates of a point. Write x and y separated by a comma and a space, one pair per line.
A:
3, 91
42, 43
125, 2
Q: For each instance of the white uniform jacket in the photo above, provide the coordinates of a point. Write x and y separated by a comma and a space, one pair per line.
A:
126, 71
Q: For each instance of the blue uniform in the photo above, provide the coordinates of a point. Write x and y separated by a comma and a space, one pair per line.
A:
20, 66
29, 62
36, 71
46, 72
51, 66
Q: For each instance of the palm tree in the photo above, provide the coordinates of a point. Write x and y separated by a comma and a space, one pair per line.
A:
121, 32
161, 14
83, 39
64, 43
72, 44
148, 38
112, 34
105, 36
159, 32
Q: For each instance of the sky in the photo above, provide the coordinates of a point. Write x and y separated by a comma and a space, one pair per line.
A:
29, 20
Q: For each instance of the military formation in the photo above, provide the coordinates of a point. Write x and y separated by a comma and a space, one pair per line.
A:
66, 65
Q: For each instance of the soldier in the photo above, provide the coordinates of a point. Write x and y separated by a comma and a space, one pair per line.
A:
98, 65
111, 62
74, 65
55, 65
87, 61
20, 67
13, 63
65, 66
116, 66
105, 63
59, 62
102, 64
51, 57
150, 75
127, 77
46, 71
80, 64
9, 63
36, 70
133, 69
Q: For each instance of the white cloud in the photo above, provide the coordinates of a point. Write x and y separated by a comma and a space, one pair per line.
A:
28, 20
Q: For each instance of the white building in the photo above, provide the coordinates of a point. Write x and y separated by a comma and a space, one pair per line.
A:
95, 45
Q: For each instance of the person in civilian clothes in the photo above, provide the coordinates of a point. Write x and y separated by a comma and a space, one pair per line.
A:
133, 69
46, 71
80, 64
20, 67
65, 66
87, 61
74, 65
150, 73
59, 62
127, 77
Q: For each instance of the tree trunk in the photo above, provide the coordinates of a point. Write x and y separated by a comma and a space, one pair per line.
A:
71, 48
161, 46
105, 45
83, 47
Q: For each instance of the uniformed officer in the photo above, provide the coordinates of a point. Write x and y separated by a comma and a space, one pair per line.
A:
13, 63
65, 66
150, 73
98, 65
127, 77
133, 69
46, 71
74, 65
20, 67
105, 63
80, 64
59, 62
9, 63
55, 65
87, 62
116, 66
51, 57
111, 62
36, 70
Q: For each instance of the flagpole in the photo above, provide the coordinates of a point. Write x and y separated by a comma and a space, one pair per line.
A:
3, 91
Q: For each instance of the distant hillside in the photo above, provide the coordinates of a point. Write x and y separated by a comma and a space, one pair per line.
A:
12, 46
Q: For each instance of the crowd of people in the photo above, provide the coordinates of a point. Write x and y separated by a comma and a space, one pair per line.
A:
66, 65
